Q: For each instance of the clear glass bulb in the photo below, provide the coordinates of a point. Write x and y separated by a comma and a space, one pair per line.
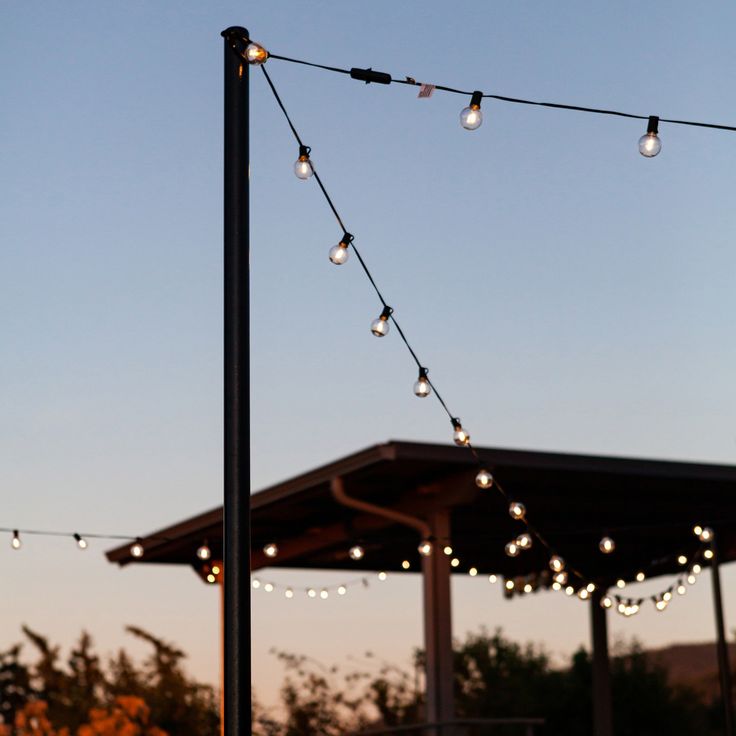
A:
356, 552
81, 541
607, 545
583, 594
517, 510
528, 588
509, 585
681, 589
524, 541
620, 583
268, 587
691, 579
15, 542
406, 564
382, 576
289, 592
422, 388
311, 592
136, 550
512, 549
324, 594
447, 550
341, 590
706, 535
255, 54
471, 117
682, 560
708, 554
303, 168
379, 327
425, 548
492, 579
484, 479
473, 572
640, 577
256, 583
650, 145
569, 590
606, 602
204, 552
561, 578
271, 550
339, 254
556, 563
460, 437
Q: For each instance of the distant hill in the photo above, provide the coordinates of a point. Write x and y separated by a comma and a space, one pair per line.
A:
694, 665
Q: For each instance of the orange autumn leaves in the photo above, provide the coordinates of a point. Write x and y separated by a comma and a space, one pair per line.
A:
128, 716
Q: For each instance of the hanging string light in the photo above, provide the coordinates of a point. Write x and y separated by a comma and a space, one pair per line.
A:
136, 549
303, 165
524, 541
471, 117
517, 510
81, 541
15, 542
204, 552
484, 479
271, 550
255, 54
380, 326
607, 545
649, 143
422, 388
339, 253
425, 548
356, 552
460, 437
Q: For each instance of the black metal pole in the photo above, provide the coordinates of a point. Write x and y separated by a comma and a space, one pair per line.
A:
724, 665
236, 531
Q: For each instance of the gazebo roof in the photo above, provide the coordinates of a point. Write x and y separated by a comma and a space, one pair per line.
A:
648, 506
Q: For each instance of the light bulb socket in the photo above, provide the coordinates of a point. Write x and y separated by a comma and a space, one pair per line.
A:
304, 152
476, 99
456, 423
386, 313
423, 373
77, 538
368, 76
653, 125
346, 239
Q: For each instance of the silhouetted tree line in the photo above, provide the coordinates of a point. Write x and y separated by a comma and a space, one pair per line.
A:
84, 696
494, 677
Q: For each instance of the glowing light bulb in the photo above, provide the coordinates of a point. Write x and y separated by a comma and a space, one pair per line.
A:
528, 588
216, 569
556, 563
509, 585
517, 510
303, 166
455, 562
473, 572
492, 579
607, 545
569, 590
271, 550
268, 587
406, 564
471, 117
136, 549
484, 479
697, 530
311, 592
708, 554
606, 602
204, 552
289, 593
660, 605
583, 594
561, 577
620, 583
211, 578
681, 589
422, 387
379, 326
706, 534
382, 575
556, 586
691, 579
590, 587
512, 549
447, 550
356, 552
460, 437
324, 594
255, 54
339, 253
621, 608
667, 596
425, 548
15, 542
524, 541
649, 143
640, 577
81, 541
697, 569
682, 560
256, 583
341, 590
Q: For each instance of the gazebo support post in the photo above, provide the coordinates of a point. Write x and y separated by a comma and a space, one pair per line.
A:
236, 522
724, 665
602, 711
440, 704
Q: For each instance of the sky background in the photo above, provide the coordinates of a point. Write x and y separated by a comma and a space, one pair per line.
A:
566, 293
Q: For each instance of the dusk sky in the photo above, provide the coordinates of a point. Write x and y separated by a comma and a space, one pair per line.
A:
566, 293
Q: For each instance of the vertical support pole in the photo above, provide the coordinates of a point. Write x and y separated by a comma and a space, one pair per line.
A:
438, 623
236, 539
602, 711
724, 666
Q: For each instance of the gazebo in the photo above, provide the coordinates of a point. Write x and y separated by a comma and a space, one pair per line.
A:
391, 497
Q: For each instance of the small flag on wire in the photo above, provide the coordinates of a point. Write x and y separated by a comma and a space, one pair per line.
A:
426, 91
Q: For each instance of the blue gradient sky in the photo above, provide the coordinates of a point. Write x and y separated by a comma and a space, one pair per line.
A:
566, 293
